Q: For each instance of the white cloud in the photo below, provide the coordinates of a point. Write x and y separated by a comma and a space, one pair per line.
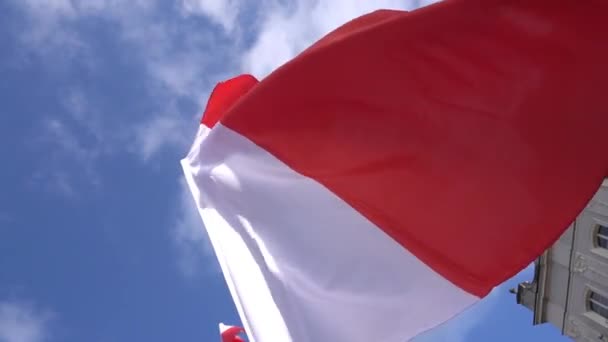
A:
72, 142
46, 32
181, 64
160, 131
193, 245
223, 12
57, 133
62, 148
21, 322
53, 29
50, 7
174, 56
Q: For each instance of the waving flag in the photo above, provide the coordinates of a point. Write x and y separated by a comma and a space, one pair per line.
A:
392, 174
230, 333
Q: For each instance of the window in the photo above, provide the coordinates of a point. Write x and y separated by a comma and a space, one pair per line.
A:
598, 304
601, 236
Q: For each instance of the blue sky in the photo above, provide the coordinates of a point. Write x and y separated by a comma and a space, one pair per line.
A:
99, 240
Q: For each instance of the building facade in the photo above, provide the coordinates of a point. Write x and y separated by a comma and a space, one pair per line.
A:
570, 285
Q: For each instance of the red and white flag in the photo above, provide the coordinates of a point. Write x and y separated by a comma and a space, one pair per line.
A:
230, 333
396, 171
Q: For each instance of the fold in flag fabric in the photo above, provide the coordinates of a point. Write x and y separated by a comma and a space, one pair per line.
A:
230, 333
396, 171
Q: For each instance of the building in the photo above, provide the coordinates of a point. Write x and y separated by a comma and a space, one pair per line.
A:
570, 285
